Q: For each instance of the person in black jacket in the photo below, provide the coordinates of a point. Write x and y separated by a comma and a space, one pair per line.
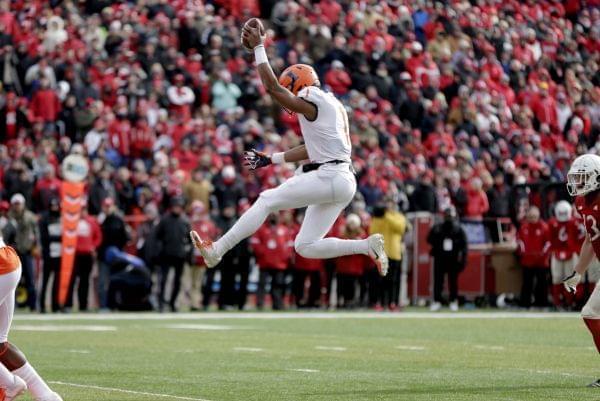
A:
449, 251
114, 233
423, 198
51, 241
172, 235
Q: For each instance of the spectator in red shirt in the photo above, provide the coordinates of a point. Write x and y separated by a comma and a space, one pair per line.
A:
271, 248
350, 268
89, 238
119, 133
338, 79
544, 108
533, 241
477, 201
304, 269
46, 189
181, 98
331, 10
45, 103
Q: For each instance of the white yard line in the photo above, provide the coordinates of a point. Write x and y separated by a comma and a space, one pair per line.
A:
208, 327
120, 390
489, 347
80, 351
305, 370
49, 327
247, 349
326, 348
296, 315
550, 372
410, 347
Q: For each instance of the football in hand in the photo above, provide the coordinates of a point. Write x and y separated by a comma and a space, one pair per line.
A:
254, 23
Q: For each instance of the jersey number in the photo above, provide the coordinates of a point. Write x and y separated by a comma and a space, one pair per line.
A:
562, 234
595, 232
345, 120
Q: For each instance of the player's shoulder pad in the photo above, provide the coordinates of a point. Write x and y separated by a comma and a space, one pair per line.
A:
311, 93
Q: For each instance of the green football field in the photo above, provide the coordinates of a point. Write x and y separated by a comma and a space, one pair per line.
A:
312, 356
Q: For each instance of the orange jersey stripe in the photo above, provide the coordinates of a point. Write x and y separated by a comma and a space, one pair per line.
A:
9, 260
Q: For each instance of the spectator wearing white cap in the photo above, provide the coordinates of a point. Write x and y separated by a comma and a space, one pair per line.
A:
26, 241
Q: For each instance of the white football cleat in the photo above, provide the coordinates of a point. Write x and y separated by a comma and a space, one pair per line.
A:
206, 249
454, 306
377, 252
18, 388
50, 397
435, 306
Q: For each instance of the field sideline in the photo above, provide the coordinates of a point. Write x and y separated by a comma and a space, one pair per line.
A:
312, 356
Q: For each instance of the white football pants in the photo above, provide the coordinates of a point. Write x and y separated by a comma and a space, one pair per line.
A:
591, 309
326, 192
8, 286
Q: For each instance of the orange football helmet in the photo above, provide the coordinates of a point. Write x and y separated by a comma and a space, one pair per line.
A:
298, 76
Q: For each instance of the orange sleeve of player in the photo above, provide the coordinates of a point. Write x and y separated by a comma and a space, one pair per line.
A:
9, 260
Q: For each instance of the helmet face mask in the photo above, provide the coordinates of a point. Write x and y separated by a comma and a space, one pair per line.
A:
584, 175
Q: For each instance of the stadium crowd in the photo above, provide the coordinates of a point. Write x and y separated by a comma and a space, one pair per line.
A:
451, 103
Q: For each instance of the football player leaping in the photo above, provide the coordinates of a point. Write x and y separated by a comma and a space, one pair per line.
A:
583, 182
326, 184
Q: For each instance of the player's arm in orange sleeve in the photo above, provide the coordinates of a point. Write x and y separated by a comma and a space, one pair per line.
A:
283, 96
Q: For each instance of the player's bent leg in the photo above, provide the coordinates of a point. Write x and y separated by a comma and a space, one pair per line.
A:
318, 220
298, 191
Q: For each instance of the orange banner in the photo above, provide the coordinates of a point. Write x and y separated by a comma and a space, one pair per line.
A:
71, 202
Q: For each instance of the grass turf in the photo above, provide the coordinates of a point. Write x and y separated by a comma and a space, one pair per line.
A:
225, 357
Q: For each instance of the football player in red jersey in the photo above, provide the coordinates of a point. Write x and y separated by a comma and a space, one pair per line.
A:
583, 182
563, 249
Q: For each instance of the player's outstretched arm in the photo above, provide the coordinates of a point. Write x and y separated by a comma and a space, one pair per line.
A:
255, 159
586, 256
255, 39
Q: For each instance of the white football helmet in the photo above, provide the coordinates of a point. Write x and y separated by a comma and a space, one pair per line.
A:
563, 211
584, 175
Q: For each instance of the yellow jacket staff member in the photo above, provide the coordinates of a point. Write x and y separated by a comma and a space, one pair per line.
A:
392, 224
387, 220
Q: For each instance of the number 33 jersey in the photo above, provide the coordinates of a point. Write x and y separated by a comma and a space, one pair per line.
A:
588, 207
328, 136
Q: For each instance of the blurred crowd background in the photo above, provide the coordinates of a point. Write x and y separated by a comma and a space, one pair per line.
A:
476, 105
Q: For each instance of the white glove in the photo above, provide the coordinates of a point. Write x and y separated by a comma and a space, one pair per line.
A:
571, 282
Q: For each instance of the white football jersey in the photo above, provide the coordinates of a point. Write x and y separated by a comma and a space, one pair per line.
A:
328, 136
